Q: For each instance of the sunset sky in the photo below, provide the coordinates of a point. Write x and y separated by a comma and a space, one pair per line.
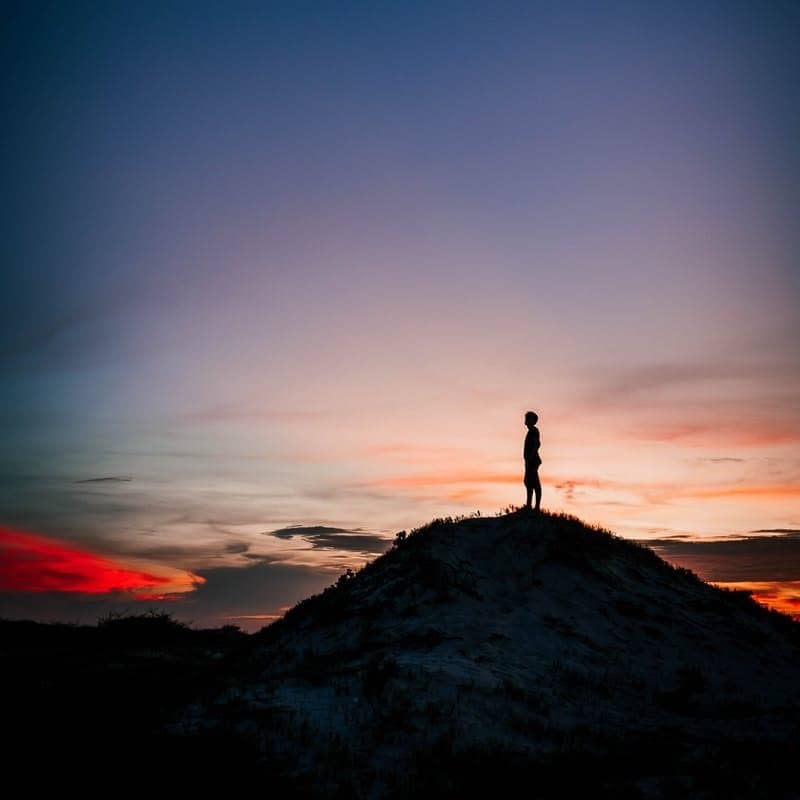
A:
281, 279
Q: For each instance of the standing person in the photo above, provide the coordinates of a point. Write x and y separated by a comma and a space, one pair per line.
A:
532, 460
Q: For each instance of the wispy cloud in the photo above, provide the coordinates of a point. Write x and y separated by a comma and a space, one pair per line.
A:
237, 547
657, 492
777, 530
106, 479
179, 552
329, 538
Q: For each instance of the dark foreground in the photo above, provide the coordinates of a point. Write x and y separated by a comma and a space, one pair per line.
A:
147, 701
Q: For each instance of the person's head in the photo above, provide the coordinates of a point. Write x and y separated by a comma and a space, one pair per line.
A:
531, 418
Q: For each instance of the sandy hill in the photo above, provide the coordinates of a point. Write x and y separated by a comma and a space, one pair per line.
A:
480, 652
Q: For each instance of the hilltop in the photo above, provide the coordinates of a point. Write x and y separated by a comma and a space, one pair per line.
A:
476, 654
479, 651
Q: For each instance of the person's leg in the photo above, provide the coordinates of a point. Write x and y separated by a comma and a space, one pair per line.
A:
529, 490
537, 486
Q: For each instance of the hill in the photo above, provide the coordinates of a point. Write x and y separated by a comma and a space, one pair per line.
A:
481, 652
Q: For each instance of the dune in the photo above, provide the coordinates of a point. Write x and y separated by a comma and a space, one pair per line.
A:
484, 653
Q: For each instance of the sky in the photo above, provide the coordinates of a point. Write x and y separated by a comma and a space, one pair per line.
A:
281, 279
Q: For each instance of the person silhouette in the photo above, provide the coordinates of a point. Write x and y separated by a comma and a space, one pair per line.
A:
532, 461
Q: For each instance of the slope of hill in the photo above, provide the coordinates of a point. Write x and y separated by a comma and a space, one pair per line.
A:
480, 652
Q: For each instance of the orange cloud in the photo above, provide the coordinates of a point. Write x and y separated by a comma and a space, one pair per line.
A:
266, 617
661, 491
783, 596
33, 563
446, 478
777, 491
464, 494
465, 484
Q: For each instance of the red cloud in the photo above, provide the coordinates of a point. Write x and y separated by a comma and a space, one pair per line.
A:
782, 596
33, 563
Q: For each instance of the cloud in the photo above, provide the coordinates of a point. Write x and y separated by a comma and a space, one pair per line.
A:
568, 488
768, 567
748, 558
328, 538
192, 552
664, 491
777, 530
237, 547
43, 580
106, 479
34, 563
258, 592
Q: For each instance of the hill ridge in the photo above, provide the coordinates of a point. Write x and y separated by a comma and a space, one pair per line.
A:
509, 636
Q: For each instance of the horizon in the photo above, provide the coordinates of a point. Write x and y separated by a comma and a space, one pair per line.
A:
281, 281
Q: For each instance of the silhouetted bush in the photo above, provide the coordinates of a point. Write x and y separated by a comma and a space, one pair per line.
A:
150, 627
